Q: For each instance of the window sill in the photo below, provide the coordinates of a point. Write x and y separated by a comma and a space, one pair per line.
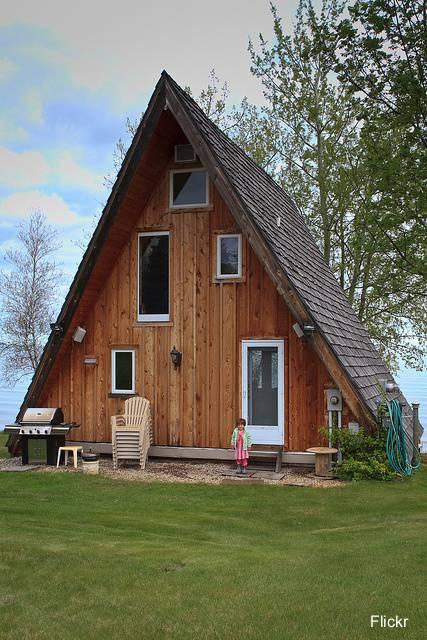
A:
228, 280
194, 208
160, 323
122, 395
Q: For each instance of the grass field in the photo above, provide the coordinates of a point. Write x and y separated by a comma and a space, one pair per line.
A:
92, 558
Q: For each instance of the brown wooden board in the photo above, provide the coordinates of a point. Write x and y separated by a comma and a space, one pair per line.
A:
197, 404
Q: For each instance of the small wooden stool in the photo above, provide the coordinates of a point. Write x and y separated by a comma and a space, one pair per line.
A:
322, 460
73, 449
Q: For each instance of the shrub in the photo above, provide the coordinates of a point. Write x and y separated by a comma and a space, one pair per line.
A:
351, 469
364, 456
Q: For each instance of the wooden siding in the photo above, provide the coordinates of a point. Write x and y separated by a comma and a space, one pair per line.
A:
196, 404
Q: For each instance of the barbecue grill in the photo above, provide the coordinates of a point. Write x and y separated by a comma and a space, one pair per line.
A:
41, 433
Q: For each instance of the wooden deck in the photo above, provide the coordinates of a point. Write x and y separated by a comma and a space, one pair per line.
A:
205, 453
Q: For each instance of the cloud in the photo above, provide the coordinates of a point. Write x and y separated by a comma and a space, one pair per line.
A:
6, 245
120, 50
30, 169
68, 171
22, 203
26, 169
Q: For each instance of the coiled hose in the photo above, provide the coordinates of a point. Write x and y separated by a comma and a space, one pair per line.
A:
400, 447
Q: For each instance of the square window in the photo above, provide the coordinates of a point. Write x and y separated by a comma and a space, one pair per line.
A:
123, 371
153, 277
229, 256
189, 189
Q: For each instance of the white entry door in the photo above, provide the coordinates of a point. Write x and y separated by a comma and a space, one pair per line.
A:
263, 390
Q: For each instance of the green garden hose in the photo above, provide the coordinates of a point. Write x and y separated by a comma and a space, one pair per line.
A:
400, 447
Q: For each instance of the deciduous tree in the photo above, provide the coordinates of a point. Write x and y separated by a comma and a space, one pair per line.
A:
28, 287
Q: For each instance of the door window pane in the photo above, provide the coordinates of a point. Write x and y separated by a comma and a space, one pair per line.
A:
153, 276
189, 188
262, 386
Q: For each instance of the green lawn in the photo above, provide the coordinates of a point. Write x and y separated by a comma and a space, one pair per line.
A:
87, 557
3, 451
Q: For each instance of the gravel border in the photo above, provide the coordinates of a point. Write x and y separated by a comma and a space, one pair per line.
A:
184, 472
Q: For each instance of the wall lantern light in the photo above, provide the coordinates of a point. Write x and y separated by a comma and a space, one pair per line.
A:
176, 357
308, 329
57, 328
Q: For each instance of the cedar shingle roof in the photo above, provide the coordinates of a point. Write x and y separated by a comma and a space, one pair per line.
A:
298, 255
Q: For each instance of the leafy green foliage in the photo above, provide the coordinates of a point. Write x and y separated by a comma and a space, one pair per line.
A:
381, 55
310, 115
352, 469
363, 455
354, 161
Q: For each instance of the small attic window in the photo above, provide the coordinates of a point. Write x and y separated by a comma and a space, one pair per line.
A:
189, 188
184, 153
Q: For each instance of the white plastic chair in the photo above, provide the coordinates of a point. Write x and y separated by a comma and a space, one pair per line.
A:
131, 432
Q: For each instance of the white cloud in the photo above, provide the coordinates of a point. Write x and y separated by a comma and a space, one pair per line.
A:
26, 169
31, 168
22, 203
120, 49
11, 243
68, 171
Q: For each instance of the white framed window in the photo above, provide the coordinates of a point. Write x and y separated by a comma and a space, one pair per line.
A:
123, 371
153, 276
229, 256
188, 188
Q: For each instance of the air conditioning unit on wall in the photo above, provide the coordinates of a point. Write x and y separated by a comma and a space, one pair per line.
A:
184, 153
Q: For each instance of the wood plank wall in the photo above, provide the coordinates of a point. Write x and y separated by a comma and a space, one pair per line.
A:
198, 403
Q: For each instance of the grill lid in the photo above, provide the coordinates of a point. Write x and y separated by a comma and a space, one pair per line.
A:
43, 416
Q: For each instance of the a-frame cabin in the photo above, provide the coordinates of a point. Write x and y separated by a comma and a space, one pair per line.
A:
200, 252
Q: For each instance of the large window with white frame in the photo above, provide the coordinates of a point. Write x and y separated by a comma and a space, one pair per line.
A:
188, 188
123, 371
153, 276
229, 256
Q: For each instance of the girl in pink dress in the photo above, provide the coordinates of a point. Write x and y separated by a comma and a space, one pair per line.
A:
241, 443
